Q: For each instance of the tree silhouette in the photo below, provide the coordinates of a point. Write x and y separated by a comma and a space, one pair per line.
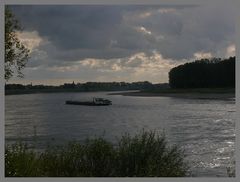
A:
204, 73
16, 54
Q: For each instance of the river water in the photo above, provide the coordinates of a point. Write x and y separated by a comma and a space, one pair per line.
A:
205, 129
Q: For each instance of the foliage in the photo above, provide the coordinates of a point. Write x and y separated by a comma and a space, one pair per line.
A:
204, 74
146, 154
231, 170
20, 161
16, 54
81, 87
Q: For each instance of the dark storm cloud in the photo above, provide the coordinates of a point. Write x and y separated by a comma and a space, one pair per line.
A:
71, 27
184, 32
105, 32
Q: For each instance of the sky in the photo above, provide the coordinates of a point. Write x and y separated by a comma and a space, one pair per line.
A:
129, 43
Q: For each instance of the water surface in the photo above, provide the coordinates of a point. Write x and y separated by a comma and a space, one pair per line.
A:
204, 128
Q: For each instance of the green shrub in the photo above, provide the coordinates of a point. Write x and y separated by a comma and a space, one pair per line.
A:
20, 161
143, 155
148, 154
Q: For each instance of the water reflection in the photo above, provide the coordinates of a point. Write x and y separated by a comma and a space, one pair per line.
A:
204, 128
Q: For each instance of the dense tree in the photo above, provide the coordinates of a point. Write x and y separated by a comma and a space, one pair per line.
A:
204, 74
16, 54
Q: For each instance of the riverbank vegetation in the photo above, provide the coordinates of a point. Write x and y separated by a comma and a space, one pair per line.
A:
146, 154
205, 73
12, 89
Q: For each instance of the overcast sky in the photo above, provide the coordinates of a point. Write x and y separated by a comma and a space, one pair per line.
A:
120, 43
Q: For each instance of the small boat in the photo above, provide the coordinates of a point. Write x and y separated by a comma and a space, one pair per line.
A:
94, 102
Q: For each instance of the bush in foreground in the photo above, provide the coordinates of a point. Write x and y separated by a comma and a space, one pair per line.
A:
144, 155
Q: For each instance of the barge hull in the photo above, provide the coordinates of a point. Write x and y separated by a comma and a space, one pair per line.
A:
85, 103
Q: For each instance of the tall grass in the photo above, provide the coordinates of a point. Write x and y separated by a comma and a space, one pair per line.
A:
146, 154
231, 171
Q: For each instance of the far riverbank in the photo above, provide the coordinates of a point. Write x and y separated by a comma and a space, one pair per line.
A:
203, 93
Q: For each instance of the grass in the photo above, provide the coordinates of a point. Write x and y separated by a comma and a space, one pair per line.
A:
231, 171
146, 154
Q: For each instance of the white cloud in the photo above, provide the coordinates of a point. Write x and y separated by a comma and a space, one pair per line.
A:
145, 14
63, 69
30, 39
231, 50
203, 55
143, 30
167, 10
139, 66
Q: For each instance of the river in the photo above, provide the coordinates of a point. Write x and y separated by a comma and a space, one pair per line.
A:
205, 129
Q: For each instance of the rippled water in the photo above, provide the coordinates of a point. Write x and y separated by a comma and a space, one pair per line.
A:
204, 128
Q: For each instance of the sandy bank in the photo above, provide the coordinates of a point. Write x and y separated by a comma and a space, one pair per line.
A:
221, 96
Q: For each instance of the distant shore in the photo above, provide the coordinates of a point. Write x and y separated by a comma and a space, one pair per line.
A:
202, 93
220, 94
41, 91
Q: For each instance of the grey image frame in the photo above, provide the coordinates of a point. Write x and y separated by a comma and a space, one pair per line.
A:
235, 3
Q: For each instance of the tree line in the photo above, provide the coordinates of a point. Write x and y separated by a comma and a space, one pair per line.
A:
204, 73
90, 86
